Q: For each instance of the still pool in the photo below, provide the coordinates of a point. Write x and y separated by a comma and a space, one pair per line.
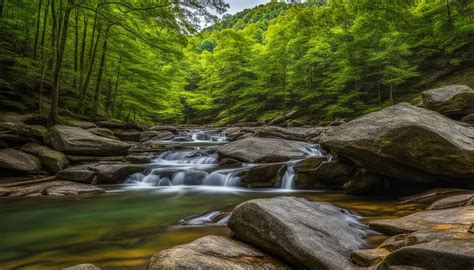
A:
122, 228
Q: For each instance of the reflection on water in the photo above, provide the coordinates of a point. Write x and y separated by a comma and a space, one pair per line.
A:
123, 228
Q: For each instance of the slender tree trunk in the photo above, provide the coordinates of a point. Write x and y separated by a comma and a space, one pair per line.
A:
53, 31
2, 7
108, 96
284, 90
89, 73
76, 44
379, 93
53, 113
38, 22
95, 106
43, 32
116, 85
391, 93
92, 45
83, 49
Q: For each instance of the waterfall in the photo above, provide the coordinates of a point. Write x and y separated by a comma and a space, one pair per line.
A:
288, 177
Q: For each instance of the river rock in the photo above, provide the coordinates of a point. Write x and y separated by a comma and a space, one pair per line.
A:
19, 132
15, 161
264, 176
453, 100
129, 135
115, 124
84, 266
77, 141
115, 173
248, 124
307, 234
263, 150
367, 184
435, 194
406, 143
80, 173
453, 201
213, 252
281, 133
50, 188
53, 161
103, 132
469, 119
426, 220
326, 174
156, 135
237, 133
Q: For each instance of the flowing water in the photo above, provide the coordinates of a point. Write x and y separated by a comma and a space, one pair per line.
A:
183, 195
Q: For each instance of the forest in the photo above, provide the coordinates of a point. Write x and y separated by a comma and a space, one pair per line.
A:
147, 61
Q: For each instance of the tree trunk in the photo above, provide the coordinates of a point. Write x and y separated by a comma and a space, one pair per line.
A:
89, 74
108, 96
379, 93
391, 93
116, 85
76, 43
92, 45
95, 106
53, 31
83, 49
2, 7
53, 113
43, 32
284, 90
38, 22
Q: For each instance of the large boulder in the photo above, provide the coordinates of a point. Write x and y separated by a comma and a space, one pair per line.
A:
426, 220
129, 135
53, 161
454, 100
307, 234
281, 133
15, 161
213, 252
20, 132
317, 172
264, 176
116, 173
85, 173
407, 143
156, 135
77, 141
264, 150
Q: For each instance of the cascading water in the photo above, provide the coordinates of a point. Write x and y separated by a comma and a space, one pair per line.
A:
195, 163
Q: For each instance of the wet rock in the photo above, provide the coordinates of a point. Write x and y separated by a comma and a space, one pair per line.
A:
50, 188
156, 135
127, 135
53, 161
84, 266
115, 124
89, 159
264, 176
103, 132
140, 158
368, 257
435, 194
426, 220
80, 173
281, 133
453, 100
15, 161
77, 141
115, 173
263, 150
453, 201
211, 217
367, 183
237, 133
213, 252
328, 174
306, 234
406, 143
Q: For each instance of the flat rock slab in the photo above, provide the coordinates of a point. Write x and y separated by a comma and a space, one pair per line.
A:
50, 188
19, 162
213, 252
77, 141
306, 234
453, 201
426, 220
264, 150
453, 100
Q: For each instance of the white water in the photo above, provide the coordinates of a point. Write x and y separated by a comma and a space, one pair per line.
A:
196, 164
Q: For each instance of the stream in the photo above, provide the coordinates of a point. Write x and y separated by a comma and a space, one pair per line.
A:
183, 195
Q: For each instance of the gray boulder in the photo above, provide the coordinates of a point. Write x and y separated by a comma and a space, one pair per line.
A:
316, 172
116, 173
264, 176
103, 132
77, 141
156, 135
454, 100
453, 201
85, 173
213, 252
53, 161
15, 161
407, 143
20, 132
307, 234
50, 188
263, 150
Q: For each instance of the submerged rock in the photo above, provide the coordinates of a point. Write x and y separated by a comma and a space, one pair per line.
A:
306, 234
77, 141
15, 161
213, 252
263, 150
453, 100
406, 143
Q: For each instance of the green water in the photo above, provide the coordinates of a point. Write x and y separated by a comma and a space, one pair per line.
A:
123, 228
